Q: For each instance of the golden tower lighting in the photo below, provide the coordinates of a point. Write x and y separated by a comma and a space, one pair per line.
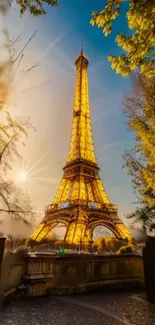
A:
81, 202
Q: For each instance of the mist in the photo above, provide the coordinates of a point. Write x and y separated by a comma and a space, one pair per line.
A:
15, 228
137, 234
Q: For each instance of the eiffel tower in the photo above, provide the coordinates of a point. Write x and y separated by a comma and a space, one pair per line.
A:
81, 202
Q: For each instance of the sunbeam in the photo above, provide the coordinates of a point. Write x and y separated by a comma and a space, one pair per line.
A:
38, 170
37, 163
37, 184
27, 175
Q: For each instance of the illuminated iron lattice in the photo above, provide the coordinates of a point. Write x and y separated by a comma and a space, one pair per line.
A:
81, 202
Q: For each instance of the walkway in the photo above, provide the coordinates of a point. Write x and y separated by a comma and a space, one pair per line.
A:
115, 308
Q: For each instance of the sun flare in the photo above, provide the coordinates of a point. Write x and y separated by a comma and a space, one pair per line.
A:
23, 177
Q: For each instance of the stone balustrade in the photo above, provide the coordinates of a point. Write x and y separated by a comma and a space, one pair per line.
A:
43, 273
81, 273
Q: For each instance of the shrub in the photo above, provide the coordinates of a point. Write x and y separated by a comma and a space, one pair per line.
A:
100, 242
94, 247
127, 249
45, 241
108, 244
60, 244
31, 242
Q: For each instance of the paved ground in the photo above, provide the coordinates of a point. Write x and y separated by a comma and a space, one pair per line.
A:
91, 309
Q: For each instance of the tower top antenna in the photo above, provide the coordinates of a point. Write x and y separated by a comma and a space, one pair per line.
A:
81, 44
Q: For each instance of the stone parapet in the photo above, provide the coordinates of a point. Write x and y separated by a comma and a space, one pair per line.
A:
39, 274
81, 273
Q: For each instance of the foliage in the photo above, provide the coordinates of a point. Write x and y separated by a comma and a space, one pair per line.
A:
139, 46
4, 4
31, 242
35, 7
61, 244
146, 216
12, 201
14, 204
127, 249
44, 242
11, 130
139, 110
100, 242
94, 247
107, 244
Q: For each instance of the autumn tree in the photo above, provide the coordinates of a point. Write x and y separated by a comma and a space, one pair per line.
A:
139, 46
34, 7
139, 110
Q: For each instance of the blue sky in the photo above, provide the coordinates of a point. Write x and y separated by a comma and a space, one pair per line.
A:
47, 93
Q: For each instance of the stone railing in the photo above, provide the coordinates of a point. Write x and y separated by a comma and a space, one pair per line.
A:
81, 273
38, 277
39, 274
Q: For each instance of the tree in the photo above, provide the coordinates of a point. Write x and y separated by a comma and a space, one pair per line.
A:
139, 46
146, 216
139, 110
34, 7
12, 201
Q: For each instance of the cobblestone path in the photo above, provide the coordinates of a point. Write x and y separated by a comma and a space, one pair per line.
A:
115, 308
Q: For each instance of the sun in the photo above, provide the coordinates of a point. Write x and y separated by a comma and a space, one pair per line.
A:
27, 175
23, 177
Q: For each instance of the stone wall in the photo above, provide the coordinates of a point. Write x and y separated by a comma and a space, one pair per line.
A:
42, 273
13, 269
81, 273
38, 277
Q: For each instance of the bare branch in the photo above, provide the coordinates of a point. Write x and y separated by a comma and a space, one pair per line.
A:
6, 146
29, 40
